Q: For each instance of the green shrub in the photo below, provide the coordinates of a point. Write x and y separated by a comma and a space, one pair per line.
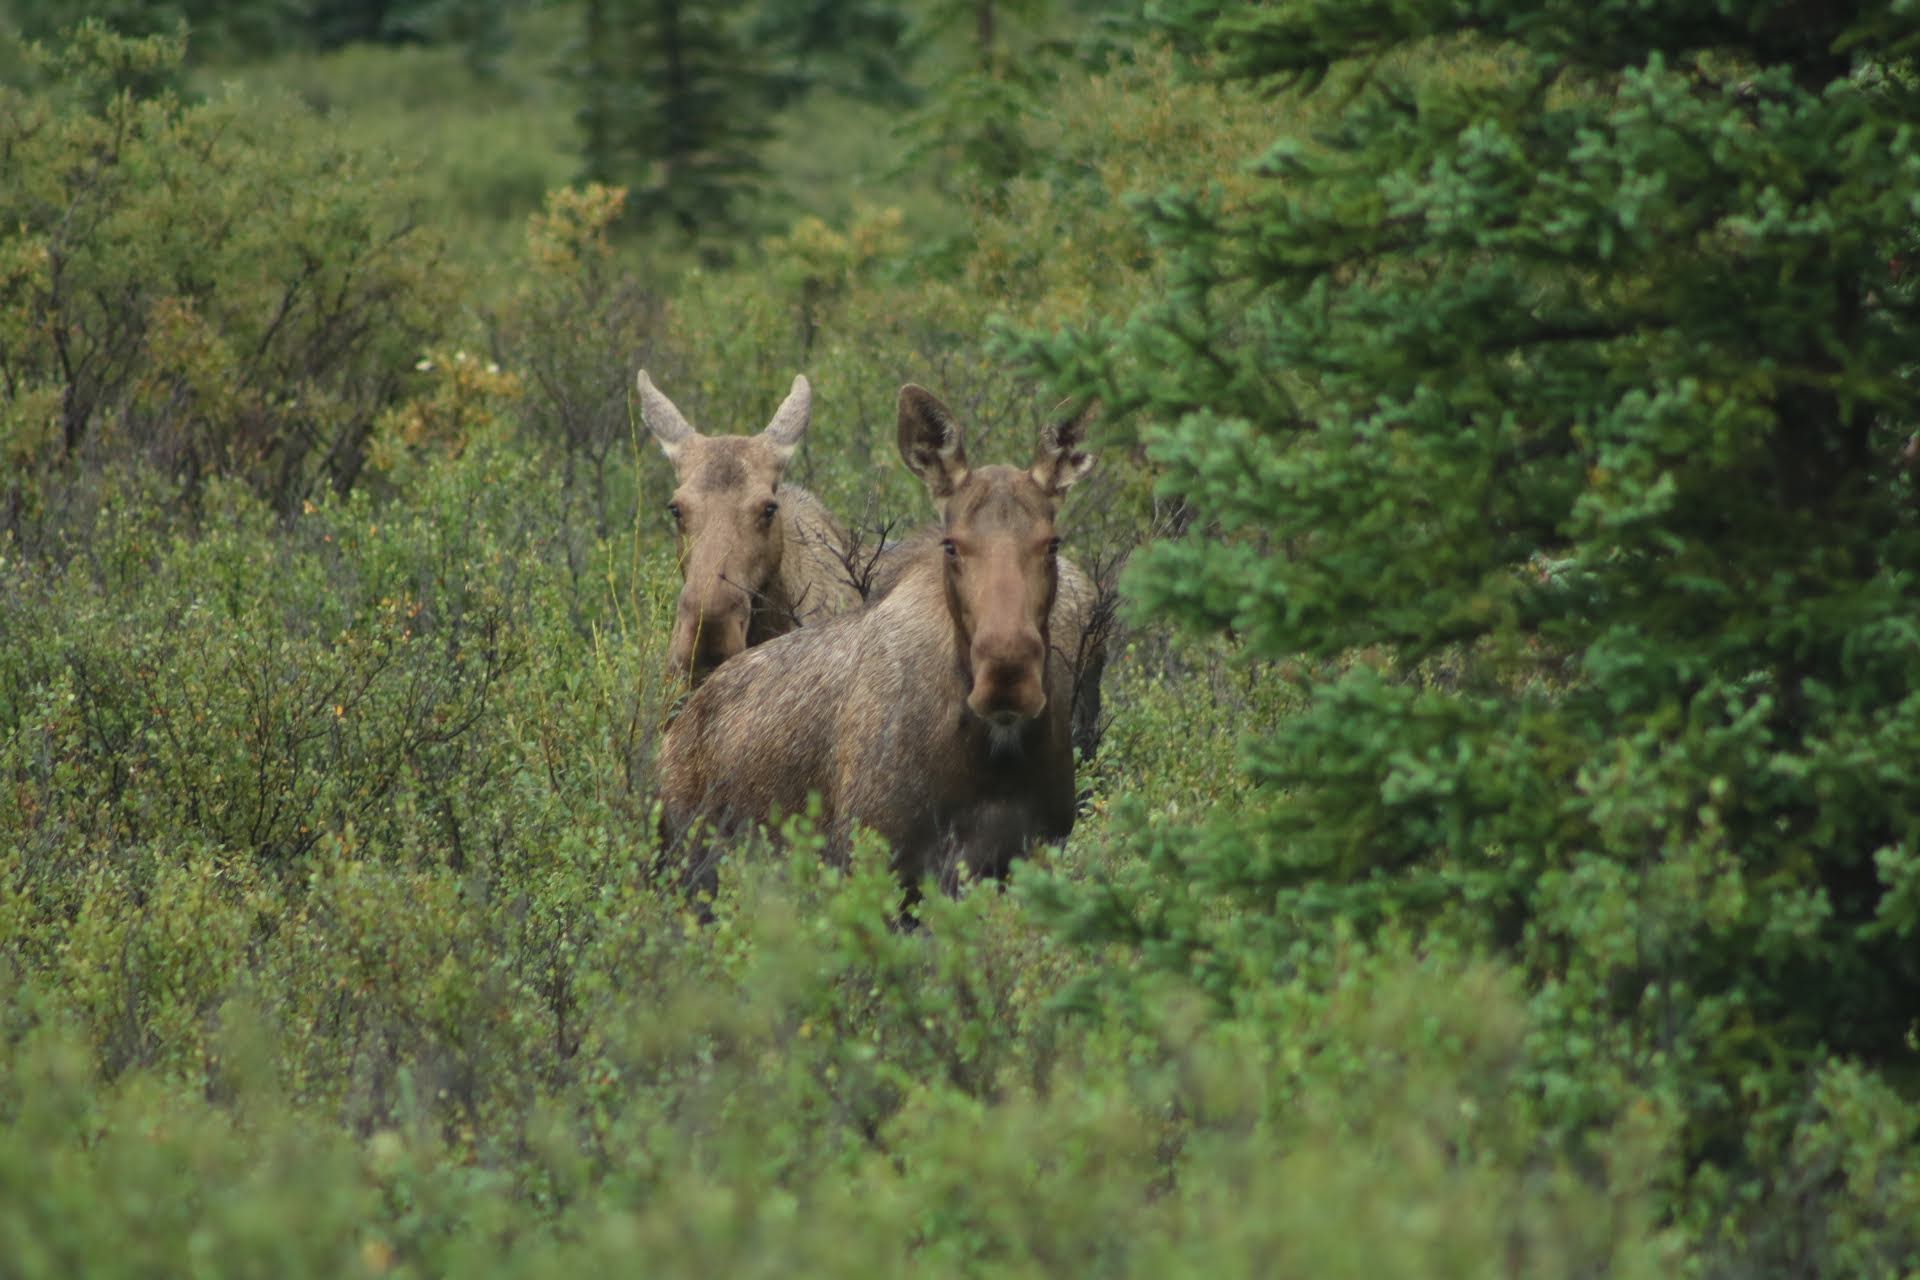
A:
802, 1085
206, 290
580, 325
453, 1019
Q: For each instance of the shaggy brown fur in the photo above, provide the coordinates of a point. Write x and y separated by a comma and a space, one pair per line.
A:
940, 716
757, 557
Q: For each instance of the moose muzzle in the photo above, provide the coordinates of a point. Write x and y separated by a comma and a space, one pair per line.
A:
708, 632
1008, 676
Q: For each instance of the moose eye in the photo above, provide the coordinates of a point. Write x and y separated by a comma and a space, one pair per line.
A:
946, 545
673, 509
769, 511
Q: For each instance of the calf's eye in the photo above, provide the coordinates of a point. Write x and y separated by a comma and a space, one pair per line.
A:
769, 511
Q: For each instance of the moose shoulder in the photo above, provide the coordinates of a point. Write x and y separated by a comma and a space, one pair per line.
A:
757, 557
940, 717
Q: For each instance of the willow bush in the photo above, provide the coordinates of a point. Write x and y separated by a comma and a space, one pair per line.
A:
200, 290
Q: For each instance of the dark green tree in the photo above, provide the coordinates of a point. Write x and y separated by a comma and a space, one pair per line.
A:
989, 68
250, 28
992, 69
245, 27
675, 104
852, 47
480, 26
1550, 402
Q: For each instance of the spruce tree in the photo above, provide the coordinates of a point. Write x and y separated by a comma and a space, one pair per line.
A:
851, 47
977, 119
1548, 409
676, 103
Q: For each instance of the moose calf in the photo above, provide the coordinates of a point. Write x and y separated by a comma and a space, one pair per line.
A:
757, 558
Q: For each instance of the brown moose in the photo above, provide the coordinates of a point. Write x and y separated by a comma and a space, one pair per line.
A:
941, 715
757, 557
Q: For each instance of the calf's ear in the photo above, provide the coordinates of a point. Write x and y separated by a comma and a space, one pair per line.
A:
790, 420
930, 441
1060, 460
666, 423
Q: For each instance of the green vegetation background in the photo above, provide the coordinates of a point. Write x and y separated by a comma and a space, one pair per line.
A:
1501, 857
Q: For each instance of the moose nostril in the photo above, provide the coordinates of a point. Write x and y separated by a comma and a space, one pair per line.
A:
1010, 658
1006, 692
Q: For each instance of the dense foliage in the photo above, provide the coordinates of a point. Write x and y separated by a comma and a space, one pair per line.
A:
182, 289
676, 103
226, 29
1499, 860
1571, 392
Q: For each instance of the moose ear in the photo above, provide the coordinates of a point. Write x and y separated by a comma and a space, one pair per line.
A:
668, 426
790, 420
1061, 461
930, 441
